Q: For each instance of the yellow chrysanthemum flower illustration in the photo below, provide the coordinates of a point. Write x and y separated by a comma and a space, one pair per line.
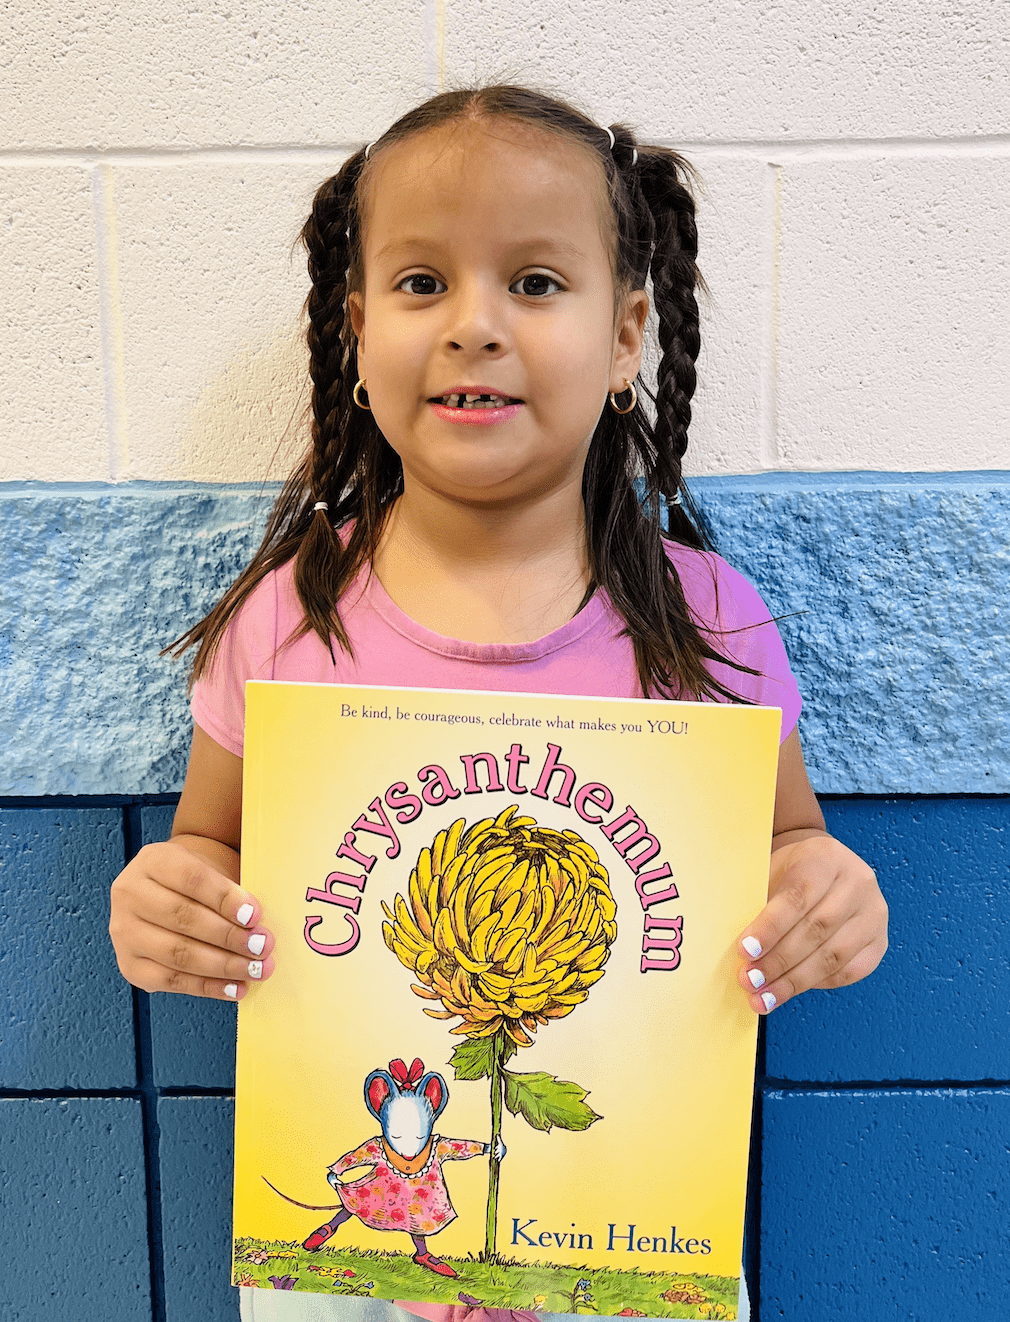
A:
508, 924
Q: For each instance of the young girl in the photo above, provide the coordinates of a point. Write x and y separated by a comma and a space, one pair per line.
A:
466, 517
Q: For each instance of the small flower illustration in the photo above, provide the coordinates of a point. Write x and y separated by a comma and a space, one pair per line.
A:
282, 1282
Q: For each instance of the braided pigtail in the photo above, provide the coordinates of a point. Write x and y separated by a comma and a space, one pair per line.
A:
675, 276
341, 432
349, 468
656, 234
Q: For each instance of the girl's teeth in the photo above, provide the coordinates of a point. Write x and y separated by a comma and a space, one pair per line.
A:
475, 401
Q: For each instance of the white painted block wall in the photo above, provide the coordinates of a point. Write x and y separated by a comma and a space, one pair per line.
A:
156, 163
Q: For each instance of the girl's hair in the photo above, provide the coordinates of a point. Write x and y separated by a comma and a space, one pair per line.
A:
356, 472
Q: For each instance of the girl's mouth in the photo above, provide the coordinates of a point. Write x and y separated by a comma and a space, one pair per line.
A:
475, 409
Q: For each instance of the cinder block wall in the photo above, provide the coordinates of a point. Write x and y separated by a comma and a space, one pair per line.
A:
849, 443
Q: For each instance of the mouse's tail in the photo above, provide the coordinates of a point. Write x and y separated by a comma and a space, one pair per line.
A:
312, 1207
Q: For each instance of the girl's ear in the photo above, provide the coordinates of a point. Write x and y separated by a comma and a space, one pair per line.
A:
629, 335
379, 1087
356, 309
433, 1087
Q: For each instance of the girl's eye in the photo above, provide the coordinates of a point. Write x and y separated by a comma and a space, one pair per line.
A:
534, 283
422, 284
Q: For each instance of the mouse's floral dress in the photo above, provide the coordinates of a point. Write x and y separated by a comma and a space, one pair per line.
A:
393, 1199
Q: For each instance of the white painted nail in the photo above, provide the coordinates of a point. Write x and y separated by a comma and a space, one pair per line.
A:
757, 978
231, 989
752, 945
256, 969
244, 914
769, 1000
257, 942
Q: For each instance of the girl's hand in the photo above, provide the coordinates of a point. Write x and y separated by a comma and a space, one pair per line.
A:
180, 924
825, 923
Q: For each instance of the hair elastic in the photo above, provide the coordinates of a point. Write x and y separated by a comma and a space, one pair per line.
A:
613, 140
320, 505
368, 148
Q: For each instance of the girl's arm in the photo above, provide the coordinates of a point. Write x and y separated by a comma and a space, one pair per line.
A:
825, 923
180, 920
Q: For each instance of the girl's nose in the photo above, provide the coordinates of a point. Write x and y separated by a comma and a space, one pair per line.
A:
476, 321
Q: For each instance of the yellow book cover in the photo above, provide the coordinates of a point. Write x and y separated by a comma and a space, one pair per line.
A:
503, 1057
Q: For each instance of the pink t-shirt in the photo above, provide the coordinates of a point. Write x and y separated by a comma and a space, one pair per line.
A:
585, 657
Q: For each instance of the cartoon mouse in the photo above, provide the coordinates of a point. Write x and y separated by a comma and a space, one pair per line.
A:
394, 1181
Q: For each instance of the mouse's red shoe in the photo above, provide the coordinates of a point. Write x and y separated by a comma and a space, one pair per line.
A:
318, 1237
434, 1264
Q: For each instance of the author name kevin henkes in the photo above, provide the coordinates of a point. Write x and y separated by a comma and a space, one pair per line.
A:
630, 1240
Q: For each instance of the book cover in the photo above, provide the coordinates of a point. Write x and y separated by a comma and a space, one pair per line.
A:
503, 1058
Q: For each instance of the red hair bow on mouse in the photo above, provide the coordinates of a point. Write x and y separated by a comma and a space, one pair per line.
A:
406, 1080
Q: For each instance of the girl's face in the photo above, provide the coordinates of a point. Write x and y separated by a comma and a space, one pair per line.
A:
487, 270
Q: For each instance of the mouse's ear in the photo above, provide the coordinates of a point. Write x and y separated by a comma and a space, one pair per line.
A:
379, 1087
433, 1087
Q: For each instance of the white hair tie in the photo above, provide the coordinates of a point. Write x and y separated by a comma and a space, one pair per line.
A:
610, 135
320, 505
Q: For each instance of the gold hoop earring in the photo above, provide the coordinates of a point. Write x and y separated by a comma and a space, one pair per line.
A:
354, 394
628, 385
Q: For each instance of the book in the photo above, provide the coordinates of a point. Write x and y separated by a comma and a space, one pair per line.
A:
503, 1059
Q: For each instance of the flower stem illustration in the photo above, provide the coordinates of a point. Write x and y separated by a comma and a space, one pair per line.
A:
508, 924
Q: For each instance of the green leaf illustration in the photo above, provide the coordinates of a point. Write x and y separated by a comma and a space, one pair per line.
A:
544, 1101
473, 1058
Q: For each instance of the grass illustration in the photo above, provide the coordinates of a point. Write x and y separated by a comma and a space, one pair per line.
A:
547, 1287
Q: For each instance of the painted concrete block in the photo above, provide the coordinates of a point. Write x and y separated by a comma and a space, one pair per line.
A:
195, 1153
124, 572
938, 1007
52, 405
894, 584
747, 73
887, 302
884, 1205
192, 75
67, 1013
896, 587
193, 1042
192, 1038
73, 1218
212, 281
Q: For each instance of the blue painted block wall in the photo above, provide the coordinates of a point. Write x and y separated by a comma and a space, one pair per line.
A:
880, 1155
883, 1110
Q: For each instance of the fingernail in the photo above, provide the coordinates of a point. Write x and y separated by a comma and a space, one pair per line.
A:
244, 914
757, 979
256, 969
752, 945
231, 989
769, 1000
257, 942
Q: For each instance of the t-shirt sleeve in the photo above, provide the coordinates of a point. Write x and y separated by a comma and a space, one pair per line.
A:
739, 625
247, 651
